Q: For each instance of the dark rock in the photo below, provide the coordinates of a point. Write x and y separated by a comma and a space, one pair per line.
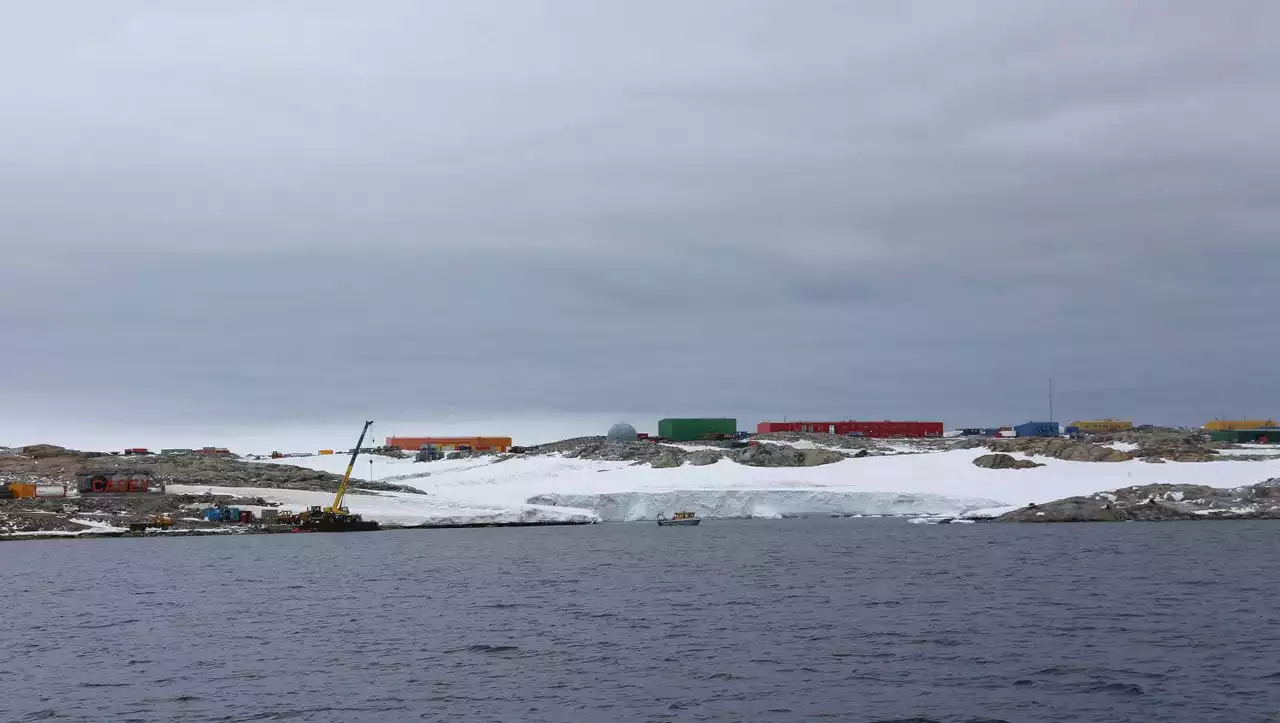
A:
666, 461
1058, 448
818, 457
1004, 461
1187, 449
704, 457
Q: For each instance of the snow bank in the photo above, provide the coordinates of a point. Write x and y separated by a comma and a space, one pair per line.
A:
1261, 450
941, 483
630, 506
94, 527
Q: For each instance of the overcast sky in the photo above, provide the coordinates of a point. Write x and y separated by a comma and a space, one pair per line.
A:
314, 211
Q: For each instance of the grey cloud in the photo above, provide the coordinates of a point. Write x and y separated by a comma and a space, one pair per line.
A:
919, 209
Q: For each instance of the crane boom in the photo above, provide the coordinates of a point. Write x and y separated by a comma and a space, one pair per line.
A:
342, 488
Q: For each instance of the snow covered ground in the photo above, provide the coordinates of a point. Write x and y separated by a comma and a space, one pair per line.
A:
1261, 450
929, 484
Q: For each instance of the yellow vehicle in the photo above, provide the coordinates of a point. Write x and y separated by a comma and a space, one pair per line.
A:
335, 517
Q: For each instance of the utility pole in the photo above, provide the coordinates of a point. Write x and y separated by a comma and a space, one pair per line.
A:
1051, 399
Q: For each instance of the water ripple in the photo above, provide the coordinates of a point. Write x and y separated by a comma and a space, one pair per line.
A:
786, 621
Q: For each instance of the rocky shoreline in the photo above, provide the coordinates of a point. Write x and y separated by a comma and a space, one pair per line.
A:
1158, 502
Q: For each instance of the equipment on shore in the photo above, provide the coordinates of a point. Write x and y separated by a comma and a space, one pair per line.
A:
679, 519
160, 522
335, 517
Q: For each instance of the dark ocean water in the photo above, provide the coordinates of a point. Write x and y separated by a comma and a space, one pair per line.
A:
802, 620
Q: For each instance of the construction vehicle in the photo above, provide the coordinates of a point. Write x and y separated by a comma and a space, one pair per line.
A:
161, 522
335, 517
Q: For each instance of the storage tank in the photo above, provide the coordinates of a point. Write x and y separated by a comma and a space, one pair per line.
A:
622, 432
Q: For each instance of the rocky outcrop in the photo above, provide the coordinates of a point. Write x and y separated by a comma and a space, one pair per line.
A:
666, 456
773, 455
667, 460
704, 457
53, 451
1147, 434
1072, 450
1159, 502
1004, 461
204, 470
1184, 449
612, 451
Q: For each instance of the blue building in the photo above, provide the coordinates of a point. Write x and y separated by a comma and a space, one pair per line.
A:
1037, 429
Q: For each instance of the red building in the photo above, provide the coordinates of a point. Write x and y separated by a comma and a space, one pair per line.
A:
867, 429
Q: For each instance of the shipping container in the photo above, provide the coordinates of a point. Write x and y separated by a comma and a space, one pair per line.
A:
692, 429
326, 451
1037, 429
1224, 424
884, 429
448, 444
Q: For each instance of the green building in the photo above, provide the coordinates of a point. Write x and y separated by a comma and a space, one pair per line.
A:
692, 430
1246, 436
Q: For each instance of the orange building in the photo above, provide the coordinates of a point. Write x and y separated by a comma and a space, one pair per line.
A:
449, 444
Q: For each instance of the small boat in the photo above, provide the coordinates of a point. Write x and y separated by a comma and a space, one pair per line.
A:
686, 519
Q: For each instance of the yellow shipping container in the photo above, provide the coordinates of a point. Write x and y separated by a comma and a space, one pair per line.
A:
1221, 425
22, 489
326, 451
1103, 426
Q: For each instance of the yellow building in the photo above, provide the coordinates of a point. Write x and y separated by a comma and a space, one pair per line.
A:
1103, 426
1220, 425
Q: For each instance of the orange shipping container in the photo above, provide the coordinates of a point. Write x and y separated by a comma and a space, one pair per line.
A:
447, 444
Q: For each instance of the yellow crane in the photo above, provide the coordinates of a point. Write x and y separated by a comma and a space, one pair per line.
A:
336, 507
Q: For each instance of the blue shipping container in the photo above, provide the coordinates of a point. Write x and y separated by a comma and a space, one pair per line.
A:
213, 514
1037, 429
